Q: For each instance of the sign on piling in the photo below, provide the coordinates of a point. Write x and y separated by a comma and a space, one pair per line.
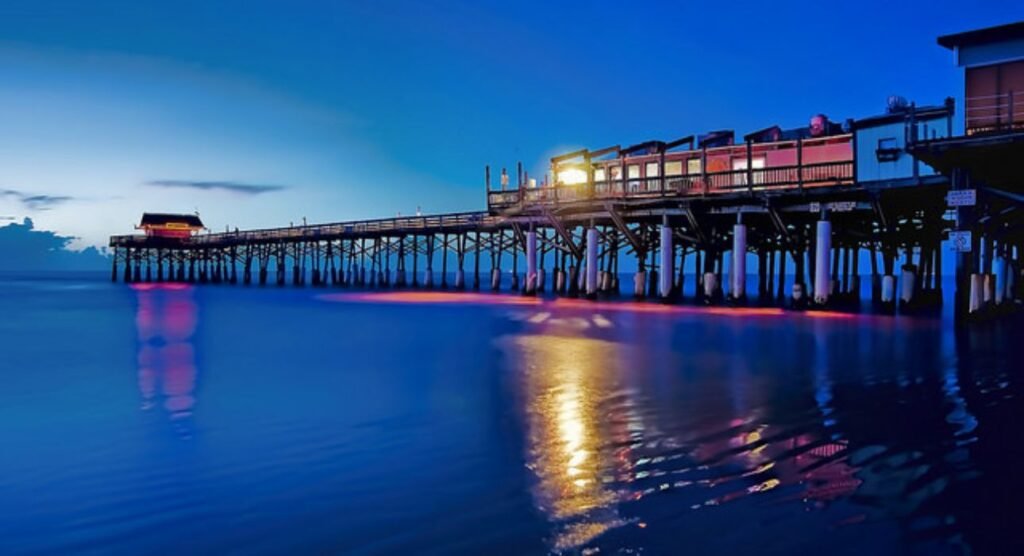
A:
962, 197
961, 240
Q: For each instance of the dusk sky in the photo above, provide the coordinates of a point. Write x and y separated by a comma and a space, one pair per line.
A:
261, 113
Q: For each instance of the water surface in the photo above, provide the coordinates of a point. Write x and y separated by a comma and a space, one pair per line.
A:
173, 419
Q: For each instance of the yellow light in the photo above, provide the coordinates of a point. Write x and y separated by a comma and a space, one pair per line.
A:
572, 176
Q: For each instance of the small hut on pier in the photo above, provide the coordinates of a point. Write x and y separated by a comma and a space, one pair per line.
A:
177, 226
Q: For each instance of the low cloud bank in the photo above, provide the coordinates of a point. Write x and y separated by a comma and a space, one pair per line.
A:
22, 247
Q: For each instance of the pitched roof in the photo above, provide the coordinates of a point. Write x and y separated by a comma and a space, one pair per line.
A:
987, 35
158, 219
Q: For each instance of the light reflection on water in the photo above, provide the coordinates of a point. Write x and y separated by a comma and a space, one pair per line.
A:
138, 422
166, 320
568, 383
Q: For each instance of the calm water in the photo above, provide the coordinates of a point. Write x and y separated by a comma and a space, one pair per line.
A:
232, 420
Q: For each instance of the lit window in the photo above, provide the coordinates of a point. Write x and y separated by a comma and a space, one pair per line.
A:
572, 176
599, 174
651, 171
633, 171
693, 166
616, 172
756, 163
674, 168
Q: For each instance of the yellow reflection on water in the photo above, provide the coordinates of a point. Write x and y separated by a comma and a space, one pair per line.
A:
573, 433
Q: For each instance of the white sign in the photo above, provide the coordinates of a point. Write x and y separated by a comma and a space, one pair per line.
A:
962, 197
838, 206
961, 241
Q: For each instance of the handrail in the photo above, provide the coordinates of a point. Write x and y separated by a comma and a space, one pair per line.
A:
794, 177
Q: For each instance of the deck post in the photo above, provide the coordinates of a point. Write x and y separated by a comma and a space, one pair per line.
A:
400, 264
497, 248
823, 245
739, 259
428, 274
444, 261
531, 261
541, 274
667, 259
415, 261
476, 262
460, 255
515, 262
591, 262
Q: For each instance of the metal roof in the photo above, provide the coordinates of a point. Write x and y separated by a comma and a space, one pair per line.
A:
999, 33
158, 219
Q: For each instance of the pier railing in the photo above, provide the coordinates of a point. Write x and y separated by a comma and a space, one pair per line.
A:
687, 185
994, 113
402, 224
744, 177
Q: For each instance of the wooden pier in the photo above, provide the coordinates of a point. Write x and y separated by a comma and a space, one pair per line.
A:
807, 225
806, 204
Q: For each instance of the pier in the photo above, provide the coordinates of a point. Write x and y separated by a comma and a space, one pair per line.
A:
806, 204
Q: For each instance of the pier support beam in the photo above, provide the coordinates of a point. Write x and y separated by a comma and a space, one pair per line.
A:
667, 260
591, 282
822, 274
531, 262
739, 260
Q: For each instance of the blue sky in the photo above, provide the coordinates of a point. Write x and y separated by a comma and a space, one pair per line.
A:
339, 110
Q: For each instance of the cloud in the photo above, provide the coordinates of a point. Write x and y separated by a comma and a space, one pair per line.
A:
229, 186
26, 248
34, 201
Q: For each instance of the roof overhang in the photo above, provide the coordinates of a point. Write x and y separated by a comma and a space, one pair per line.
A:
990, 159
999, 33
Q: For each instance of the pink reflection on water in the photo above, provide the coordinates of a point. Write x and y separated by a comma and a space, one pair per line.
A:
644, 307
166, 320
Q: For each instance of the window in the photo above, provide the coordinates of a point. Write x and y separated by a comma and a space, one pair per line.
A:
615, 172
673, 168
599, 174
756, 163
887, 143
652, 169
888, 149
633, 171
693, 166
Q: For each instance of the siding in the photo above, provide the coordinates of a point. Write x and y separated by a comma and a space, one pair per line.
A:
869, 168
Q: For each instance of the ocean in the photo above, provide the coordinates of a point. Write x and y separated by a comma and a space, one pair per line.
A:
155, 419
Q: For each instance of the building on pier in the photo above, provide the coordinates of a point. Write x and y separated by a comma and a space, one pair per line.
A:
172, 226
982, 165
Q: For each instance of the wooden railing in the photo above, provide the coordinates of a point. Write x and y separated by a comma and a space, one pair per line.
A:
403, 224
711, 183
994, 113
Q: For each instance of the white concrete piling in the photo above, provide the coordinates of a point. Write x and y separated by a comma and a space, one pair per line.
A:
639, 279
888, 288
592, 242
739, 261
908, 281
1001, 280
667, 261
822, 271
976, 298
531, 261
710, 284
